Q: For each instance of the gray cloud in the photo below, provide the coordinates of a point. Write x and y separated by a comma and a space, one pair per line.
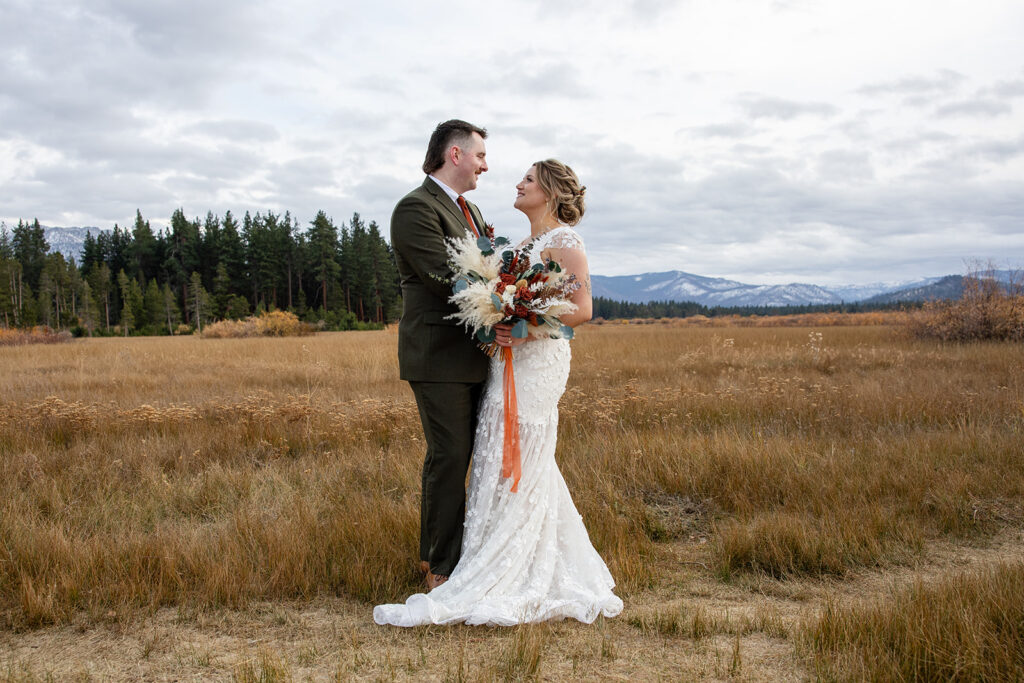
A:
236, 130
845, 166
1006, 89
945, 81
735, 129
986, 108
767, 107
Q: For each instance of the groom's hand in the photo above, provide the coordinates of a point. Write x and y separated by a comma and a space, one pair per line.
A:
503, 335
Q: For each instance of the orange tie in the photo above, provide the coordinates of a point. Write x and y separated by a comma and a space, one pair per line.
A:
465, 209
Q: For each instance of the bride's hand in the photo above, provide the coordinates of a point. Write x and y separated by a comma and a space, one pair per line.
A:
503, 336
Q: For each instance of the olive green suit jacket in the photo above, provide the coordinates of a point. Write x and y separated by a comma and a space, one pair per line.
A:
431, 348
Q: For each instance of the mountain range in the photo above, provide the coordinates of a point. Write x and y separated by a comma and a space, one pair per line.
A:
676, 285
710, 291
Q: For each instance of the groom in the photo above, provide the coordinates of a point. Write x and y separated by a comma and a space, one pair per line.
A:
438, 358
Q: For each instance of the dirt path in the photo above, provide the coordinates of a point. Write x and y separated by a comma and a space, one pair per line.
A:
695, 628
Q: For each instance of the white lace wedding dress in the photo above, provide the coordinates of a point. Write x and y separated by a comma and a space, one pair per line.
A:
526, 556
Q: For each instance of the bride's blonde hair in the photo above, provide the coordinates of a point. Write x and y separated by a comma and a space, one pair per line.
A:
563, 190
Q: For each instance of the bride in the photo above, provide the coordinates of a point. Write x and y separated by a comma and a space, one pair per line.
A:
526, 556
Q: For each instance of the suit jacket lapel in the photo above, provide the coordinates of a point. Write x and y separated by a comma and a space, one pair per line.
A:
442, 198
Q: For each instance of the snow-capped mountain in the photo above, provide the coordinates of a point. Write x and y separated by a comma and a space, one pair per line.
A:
679, 286
68, 241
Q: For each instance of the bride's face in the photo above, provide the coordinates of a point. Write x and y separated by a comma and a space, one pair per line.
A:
529, 196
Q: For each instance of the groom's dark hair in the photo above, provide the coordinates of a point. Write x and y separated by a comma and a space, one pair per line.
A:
453, 132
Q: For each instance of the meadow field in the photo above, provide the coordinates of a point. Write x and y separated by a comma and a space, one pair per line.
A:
776, 503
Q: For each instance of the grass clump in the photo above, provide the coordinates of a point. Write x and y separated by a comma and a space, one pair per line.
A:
966, 627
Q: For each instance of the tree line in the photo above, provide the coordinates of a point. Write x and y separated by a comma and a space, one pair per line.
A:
137, 281
610, 309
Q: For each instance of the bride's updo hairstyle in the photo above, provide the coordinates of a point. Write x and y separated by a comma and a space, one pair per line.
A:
563, 190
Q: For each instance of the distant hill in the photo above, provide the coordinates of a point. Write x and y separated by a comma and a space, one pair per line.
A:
949, 287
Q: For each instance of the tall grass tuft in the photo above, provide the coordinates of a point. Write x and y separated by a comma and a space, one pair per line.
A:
520, 657
967, 627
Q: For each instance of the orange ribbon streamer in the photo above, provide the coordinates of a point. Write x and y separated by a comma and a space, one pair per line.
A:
510, 462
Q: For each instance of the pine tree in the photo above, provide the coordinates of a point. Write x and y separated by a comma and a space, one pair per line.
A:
198, 301
172, 314
221, 291
73, 277
102, 287
232, 254
118, 254
44, 302
91, 253
10, 280
385, 275
323, 249
127, 314
143, 251
183, 254
30, 249
210, 248
153, 306
89, 314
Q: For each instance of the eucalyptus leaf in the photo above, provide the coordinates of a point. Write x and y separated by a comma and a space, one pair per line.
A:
484, 244
500, 241
519, 330
496, 300
460, 284
486, 335
567, 332
506, 256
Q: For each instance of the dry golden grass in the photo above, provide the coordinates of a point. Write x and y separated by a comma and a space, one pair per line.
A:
181, 482
968, 627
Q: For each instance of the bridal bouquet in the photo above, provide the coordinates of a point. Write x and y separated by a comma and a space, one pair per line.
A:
493, 286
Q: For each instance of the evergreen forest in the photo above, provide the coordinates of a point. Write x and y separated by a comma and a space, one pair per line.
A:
137, 281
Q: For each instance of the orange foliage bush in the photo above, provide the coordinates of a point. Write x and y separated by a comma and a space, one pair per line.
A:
36, 335
986, 311
272, 324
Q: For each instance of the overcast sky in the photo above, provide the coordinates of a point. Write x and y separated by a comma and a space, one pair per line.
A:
769, 141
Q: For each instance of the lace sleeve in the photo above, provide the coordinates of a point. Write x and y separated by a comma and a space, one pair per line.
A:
564, 238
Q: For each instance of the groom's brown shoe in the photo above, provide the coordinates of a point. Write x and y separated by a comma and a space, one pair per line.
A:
434, 580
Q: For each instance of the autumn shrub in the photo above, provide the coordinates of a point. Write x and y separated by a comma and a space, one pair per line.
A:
270, 324
36, 335
987, 310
